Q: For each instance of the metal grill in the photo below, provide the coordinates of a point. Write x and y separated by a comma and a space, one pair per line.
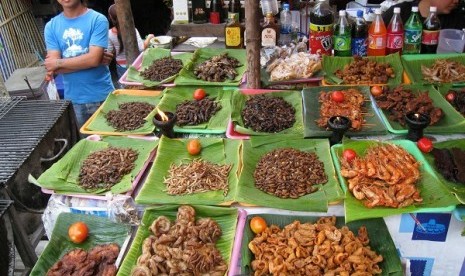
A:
7, 103
22, 128
4, 205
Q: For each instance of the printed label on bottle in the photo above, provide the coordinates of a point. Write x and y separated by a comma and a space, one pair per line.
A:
412, 36
359, 47
395, 41
341, 43
377, 41
430, 37
233, 36
321, 39
268, 37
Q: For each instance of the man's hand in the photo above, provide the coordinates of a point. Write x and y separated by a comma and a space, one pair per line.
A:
52, 63
107, 58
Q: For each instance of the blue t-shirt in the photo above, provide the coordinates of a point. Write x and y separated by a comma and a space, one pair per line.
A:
73, 37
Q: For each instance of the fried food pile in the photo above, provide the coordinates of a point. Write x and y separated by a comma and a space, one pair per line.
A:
196, 177
104, 168
162, 68
444, 70
289, 173
297, 66
385, 176
401, 101
365, 71
100, 260
313, 249
351, 107
130, 115
459, 100
185, 247
196, 112
450, 163
218, 68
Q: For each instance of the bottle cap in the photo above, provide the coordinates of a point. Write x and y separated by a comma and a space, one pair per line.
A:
397, 10
359, 13
378, 11
414, 9
433, 9
342, 13
286, 6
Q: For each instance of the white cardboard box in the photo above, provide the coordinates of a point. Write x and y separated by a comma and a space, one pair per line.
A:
181, 11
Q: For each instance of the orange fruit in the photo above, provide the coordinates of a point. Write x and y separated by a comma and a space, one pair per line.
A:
258, 225
78, 232
194, 147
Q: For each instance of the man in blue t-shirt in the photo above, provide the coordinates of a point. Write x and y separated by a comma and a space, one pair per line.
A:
76, 40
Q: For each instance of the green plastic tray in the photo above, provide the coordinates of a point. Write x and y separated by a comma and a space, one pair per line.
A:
444, 89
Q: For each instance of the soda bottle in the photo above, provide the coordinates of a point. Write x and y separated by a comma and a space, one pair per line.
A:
430, 35
321, 29
412, 33
359, 36
377, 36
395, 33
342, 36
286, 25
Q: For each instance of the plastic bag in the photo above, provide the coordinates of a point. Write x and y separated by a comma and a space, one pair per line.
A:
52, 90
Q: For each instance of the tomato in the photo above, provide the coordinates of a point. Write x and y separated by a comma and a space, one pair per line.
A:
337, 96
425, 145
349, 154
258, 225
194, 147
199, 94
376, 90
450, 97
78, 232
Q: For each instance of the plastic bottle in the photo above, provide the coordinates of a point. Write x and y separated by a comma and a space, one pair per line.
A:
321, 29
342, 36
359, 36
377, 36
430, 35
286, 25
269, 6
412, 33
395, 34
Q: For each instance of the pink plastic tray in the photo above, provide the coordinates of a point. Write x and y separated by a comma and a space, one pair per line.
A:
234, 264
136, 180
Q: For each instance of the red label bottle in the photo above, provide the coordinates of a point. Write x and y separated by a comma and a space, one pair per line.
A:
395, 34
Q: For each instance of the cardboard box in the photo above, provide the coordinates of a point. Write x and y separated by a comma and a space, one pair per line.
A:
181, 11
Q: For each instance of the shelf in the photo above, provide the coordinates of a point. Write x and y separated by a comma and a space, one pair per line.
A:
192, 30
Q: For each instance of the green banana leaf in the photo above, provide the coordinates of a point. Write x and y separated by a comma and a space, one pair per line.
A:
458, 189
149, 55
380, 239
310, 97
436, 196
101, 231
332, 64
225, 217
292, 97
445, 88
100, 124
318, 201
452, 122
217, 124
215, 150
187, 76
63, 176
412, 65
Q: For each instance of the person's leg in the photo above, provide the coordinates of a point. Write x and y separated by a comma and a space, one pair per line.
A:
84, 111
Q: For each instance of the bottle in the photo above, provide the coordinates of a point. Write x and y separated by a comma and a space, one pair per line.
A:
321, 29
269, 6
199, 9
233, 32
215, 12
342, 36
270, 31
235, 7
430, 35
412, 33
395, 33
377, 36
285, 19
359, 36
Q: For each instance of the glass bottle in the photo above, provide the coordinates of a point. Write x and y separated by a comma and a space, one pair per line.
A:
215, 12
377, 36
199, 14
270, 31
321, 29
342, 36
395, 33
359, 36
430, 35
412, 33
233, 32
235, 7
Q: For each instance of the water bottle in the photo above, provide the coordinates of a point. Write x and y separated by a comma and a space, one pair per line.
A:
342, 36
359, 36
286, 25
270, 6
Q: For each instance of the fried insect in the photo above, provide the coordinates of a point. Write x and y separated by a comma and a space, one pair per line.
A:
444, 70
195, 112
130, 115
365, 71
218, 68
162, 68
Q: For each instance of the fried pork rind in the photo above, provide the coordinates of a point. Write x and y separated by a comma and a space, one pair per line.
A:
313, 249
186, 247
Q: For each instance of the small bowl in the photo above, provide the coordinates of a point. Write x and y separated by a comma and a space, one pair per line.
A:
163, 41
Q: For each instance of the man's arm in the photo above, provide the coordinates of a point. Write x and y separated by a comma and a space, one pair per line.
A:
54, 62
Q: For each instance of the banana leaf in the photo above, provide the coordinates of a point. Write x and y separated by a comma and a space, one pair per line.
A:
412, 65
292, 97
101, 231
225, 217
187, 76
217, 123
310, 97
254, 149
436, 196
149, 56
332, 64
380, 240
63, 176
173, 151
452, 122
458, 189
100, 124
445, 88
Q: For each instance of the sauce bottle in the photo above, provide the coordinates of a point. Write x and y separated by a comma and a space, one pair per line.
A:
270, 31
395, 33
430, 35
321, 29
377, 36
233, 32
215, 12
